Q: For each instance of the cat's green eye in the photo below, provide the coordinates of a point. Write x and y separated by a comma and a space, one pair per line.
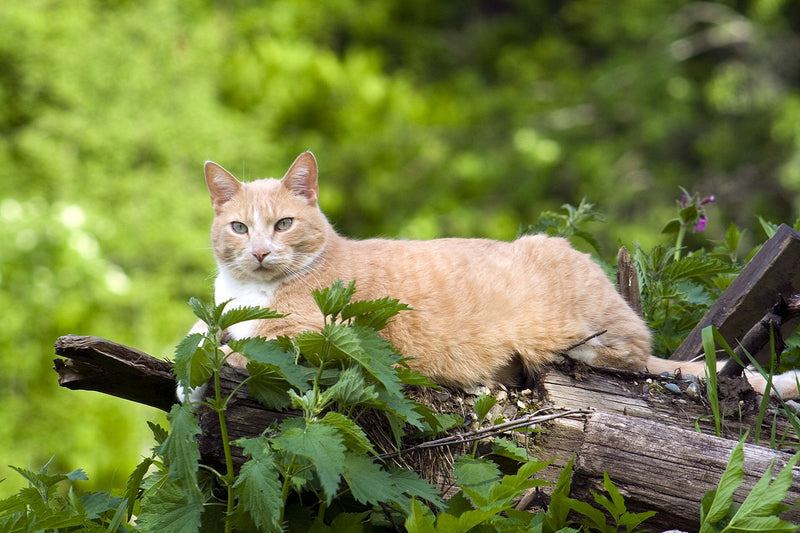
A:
239, 228
283, 224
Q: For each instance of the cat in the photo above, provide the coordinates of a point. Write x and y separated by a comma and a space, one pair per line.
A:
485, 312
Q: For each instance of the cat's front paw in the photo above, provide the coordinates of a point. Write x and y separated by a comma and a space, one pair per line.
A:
190, 395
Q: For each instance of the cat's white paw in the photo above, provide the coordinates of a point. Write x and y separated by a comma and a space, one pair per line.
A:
190, 395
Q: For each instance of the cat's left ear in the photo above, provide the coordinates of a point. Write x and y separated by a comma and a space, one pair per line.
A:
301, 178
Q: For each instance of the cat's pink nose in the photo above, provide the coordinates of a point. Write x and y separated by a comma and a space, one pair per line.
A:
260, 254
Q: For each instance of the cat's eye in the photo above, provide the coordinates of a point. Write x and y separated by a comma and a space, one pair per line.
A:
239, 228
283, 224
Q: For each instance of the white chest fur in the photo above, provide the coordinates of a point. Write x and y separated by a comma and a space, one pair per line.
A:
243, 294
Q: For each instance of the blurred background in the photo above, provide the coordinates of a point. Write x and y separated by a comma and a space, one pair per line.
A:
428, 118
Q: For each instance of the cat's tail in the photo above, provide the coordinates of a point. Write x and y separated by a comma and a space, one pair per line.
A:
786, 385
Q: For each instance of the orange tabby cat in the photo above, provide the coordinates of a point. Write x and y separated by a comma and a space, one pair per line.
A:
485, 311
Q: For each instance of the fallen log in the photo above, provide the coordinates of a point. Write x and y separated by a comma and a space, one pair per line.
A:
638, 411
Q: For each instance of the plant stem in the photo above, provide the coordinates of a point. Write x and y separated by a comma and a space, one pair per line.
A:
679, 241
228, 478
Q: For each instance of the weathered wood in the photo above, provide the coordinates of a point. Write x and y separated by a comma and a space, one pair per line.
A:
772, 272
649, 397
104, 366
760, 335
628, 280
668, 469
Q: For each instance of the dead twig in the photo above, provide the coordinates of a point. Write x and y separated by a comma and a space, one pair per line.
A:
527, 420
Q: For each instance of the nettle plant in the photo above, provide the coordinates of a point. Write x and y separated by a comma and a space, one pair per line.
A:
316, 468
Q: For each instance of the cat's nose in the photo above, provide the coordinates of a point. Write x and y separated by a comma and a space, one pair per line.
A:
260, 254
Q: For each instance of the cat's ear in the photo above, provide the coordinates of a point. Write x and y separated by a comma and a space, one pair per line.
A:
221, 184
301, 178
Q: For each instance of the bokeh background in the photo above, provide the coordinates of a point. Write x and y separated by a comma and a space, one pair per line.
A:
428, 117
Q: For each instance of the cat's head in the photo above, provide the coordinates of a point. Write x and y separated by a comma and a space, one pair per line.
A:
267, 229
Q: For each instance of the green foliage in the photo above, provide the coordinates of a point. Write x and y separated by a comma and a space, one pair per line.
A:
759, 511
332, 377
41, 506
468, 122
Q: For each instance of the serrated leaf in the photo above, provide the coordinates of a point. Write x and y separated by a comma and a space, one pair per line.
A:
258, 487
351, 389
334, 343
135, 482
205, 311
331, 300
476, 477
408, 376
180, 449
409, 483
171, 510
272, 352
483, 404
267, 385
353, 436
374, 314
96, 504
367, 482
159, 433
510, 449
377, 357
696, 266
238, 315
322, 445
192, 364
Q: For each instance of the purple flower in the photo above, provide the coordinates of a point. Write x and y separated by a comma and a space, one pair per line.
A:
700, 225
708, 200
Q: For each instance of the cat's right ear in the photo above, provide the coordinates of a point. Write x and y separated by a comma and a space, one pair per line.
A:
221, 184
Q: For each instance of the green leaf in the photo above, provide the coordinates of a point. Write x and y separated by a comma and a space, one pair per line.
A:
672, 226
272, 352
134, 483
171, 509
558, 511
377, 356
483, 404
476, 477
332, 300
238, 315
409, 483
352, 389
508, 448
722, 500
192, 364
352, 435
374, 314
367, 481
763, 505
696, 266
207, 311
420, 520
413, 377
258, 487
159, 433
769, 228
323, 446
267, 385
180, 449
334, 343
